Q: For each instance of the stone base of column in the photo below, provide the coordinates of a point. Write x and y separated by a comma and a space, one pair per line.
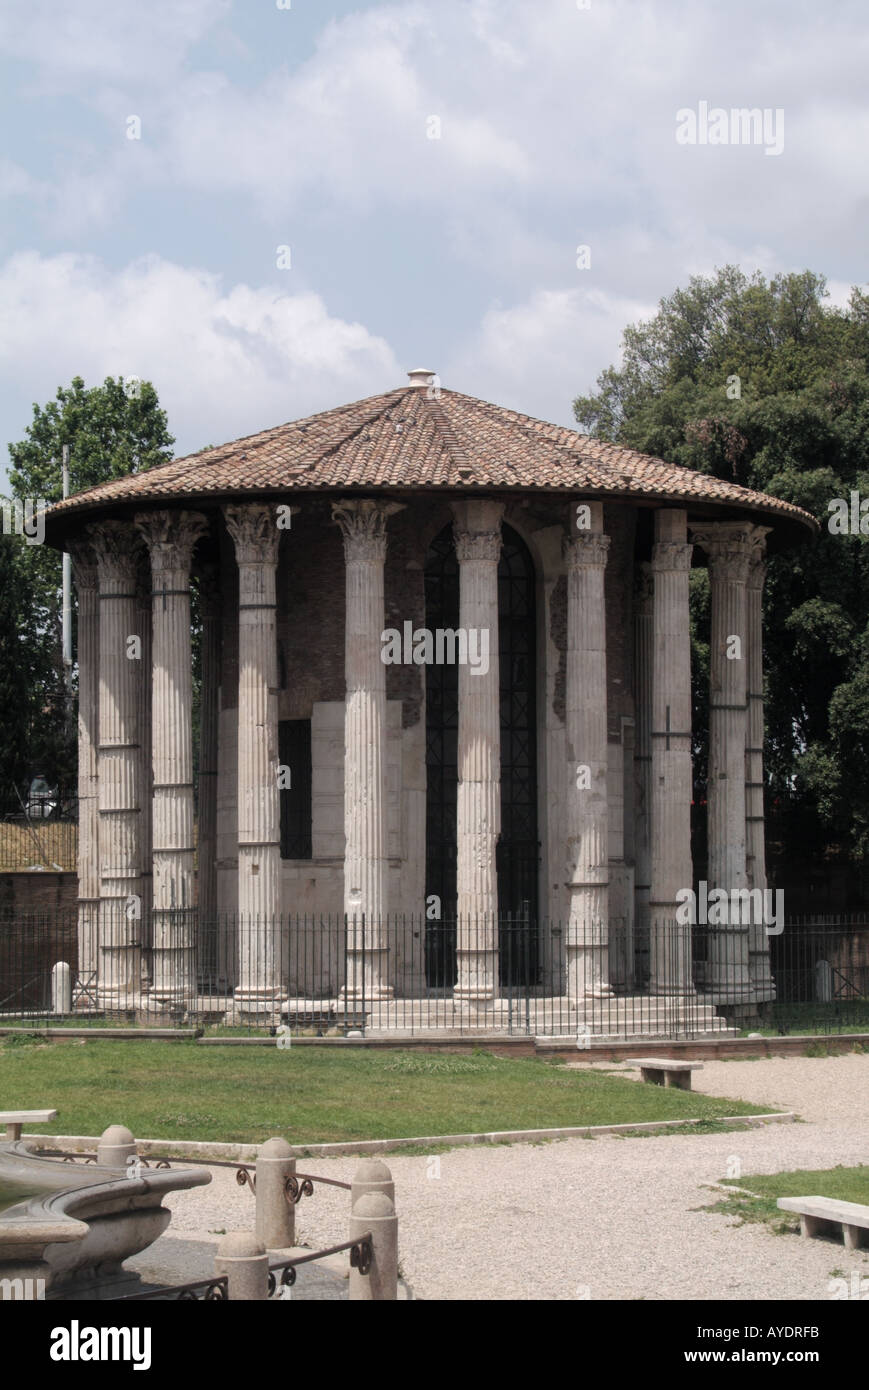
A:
477, 963
119, 1001
760, 975
367, 966
671, 971
116, 990
728, 979
585, 975
586, 950
373, 990
155, 1012
476, 977
262, 1007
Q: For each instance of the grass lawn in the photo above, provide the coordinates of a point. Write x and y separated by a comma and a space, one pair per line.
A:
800, 1020
316, 1095
842, 1184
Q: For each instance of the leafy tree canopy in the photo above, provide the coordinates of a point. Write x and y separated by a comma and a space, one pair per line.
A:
762, 383
112, 430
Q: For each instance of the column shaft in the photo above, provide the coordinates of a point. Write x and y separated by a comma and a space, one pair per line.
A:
170, 537
254, 531
215, 970
728, 547
587, 941
762, 983
672, 775
366, 864
477, 529
120, 771
643, 664
85, 573
146, 831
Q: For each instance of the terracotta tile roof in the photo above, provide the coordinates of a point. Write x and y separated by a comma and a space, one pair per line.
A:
403, 440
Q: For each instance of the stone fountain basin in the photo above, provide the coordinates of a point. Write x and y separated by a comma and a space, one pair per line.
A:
81, 1221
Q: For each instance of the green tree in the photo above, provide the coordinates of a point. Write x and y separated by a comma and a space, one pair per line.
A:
16, 685
762, 383
112, 430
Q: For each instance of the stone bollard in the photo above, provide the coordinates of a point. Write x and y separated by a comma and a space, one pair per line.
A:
116, 1147
375, 1212
61, 988
275, 1214
371, 1176
243, 1260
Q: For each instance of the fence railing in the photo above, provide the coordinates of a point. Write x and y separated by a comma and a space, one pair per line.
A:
245, 1267
322, 975
38, 829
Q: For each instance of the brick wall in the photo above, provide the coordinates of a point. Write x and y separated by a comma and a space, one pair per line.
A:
38, 927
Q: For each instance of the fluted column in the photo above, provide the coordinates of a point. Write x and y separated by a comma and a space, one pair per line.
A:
728, 545
672, 775
86, 577
117, 547
477, 530
587, 941
762, 983
643, 664
254, 531
366, 867
171, 537
146, 774
212, 966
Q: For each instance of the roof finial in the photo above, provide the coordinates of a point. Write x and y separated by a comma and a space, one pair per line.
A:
421, 376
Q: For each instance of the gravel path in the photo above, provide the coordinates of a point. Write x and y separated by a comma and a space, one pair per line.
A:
606, 1218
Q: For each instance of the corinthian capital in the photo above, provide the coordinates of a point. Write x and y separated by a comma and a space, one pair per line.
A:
478, 545
85, 571
118, 550
586, 550
171, 537
757, 557
363, 528
477, 529
254, 532
671, 555
729, 545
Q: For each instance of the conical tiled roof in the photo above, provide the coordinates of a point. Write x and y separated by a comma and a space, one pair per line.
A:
413, 439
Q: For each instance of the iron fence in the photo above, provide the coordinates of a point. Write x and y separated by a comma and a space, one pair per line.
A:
329, 975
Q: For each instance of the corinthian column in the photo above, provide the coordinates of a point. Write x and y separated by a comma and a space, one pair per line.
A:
85, 574
477, 529
146, 774
762, 983
672, 776
255, 534
212, 963
644, 647
728, 545
116, 547
171, 537
587, 941
363, 528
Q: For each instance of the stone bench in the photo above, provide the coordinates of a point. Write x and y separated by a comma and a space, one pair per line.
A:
821, 1216
15, 1119
665, 1071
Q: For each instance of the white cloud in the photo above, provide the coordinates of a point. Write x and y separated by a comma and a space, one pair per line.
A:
225, 362
128, 40
538, 355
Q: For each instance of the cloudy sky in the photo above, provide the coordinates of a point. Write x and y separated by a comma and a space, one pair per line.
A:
432, 166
